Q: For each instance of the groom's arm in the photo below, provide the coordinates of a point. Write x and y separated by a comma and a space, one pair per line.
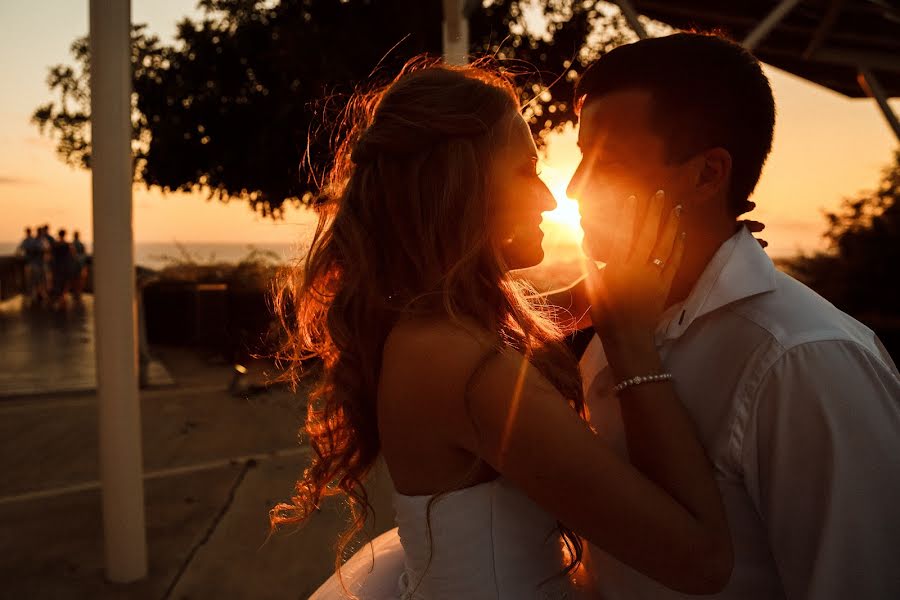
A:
821, 459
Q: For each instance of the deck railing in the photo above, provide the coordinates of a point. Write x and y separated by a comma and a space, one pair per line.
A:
12, 276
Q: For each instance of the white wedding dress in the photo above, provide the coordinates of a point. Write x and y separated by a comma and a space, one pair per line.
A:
488, 541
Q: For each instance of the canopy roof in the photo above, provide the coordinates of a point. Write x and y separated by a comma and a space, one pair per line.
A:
825, 41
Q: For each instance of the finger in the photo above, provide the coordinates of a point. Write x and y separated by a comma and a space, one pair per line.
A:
664, 245
763, 243
674, 263
753, 226
649, 228
624, 231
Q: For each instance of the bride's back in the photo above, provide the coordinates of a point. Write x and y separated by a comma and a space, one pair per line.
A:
425, 368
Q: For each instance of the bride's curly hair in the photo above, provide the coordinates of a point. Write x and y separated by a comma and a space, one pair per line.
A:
402, 231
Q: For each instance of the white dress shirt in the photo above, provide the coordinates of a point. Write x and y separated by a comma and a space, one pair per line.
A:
798, 407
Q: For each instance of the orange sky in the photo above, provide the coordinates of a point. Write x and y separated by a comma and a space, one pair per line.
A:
826, 147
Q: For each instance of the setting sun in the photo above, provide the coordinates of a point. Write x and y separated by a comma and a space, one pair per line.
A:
562, 234
564, 220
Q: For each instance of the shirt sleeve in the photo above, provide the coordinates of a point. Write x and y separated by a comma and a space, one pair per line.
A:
821, 461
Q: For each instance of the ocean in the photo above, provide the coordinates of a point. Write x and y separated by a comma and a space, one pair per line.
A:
155, 255
558, 243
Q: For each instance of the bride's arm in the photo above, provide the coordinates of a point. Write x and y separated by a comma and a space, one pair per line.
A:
665, 520
662, 513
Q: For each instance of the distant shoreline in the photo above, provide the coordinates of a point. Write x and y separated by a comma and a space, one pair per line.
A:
153, 255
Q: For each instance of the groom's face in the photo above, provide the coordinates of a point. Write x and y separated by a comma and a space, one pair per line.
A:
621, 156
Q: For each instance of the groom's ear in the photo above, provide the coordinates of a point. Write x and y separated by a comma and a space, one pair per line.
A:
713, 173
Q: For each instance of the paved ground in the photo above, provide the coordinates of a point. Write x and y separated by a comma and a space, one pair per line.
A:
214, 464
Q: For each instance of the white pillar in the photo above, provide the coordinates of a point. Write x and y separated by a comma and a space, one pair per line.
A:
114, 292
456, 33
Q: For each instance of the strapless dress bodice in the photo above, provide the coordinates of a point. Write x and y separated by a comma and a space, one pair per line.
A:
487, 541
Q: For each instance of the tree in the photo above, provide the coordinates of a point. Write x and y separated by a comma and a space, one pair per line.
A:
249, 90
858, 273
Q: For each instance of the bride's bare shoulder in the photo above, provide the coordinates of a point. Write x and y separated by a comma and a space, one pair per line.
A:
435, 348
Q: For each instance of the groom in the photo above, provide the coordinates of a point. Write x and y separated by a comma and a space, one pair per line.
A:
797, 404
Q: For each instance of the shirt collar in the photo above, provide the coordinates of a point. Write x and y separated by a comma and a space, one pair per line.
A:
739, 269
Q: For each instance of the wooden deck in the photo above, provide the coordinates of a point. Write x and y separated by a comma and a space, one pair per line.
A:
47, 352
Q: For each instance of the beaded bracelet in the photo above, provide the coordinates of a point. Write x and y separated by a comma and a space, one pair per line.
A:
638, 380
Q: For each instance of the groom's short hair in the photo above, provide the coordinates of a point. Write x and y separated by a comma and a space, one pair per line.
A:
707, 92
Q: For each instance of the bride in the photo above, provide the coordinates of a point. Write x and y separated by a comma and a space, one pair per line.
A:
434, 357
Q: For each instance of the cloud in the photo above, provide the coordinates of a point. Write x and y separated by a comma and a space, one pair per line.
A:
7, 180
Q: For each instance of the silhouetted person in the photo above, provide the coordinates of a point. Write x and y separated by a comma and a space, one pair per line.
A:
20, 250
63, 267
30, 250
80, 273
41, 277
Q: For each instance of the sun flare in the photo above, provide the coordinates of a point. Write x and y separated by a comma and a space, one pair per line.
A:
564, 221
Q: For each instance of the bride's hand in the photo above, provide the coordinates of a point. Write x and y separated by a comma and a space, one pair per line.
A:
628, 296
751, 225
